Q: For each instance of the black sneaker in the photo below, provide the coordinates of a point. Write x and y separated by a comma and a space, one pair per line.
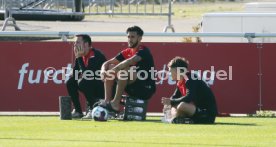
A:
182, 120
76, 114
88, 115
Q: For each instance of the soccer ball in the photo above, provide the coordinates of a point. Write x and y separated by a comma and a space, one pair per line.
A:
99, 114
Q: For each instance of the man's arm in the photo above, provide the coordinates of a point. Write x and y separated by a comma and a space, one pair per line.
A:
176, 94
79, 52
108, 63
95, 63
81, 64
127, 63
106, 66
75, 68
167, 101
190, 94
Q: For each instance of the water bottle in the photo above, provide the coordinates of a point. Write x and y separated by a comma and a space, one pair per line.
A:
138, 109
167, 114
135, 109
65, 108
134, 117
137, 101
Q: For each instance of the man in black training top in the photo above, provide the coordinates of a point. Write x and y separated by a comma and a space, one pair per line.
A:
88, 60
192, 98
130, 70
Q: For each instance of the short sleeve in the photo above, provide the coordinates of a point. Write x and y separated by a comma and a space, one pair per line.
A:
143, 54
120, 57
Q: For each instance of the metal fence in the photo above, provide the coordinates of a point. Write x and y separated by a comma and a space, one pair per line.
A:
59, 5
97, 7
128, 7
65, 35
132, 7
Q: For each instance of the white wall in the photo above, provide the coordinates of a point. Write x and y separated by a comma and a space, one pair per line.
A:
260, 7
238, 22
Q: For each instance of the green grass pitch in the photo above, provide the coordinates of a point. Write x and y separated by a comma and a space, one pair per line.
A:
27, 131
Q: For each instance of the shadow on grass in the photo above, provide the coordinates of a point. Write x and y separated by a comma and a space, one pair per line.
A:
121, 120
121, 142
235, 124
159, 121
144, 121
216, 123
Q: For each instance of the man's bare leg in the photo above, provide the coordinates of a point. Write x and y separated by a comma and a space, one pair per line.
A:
122, 82
108, 87
121, 85
185, 109
174, 112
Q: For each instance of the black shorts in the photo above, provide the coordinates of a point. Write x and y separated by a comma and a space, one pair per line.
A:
203, 117
141, 89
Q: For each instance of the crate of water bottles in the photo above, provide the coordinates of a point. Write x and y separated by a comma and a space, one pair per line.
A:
135, 108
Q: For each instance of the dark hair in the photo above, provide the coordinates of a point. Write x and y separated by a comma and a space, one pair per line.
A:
136, 29
85, 38
178, 62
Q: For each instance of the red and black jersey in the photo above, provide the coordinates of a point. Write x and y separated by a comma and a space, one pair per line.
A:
182, 87
195, 91
89, 55
146, 64
129, 52
92, 61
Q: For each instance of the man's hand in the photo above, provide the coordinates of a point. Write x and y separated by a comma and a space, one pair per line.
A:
166, 101
79, 51
103, 74
115, 69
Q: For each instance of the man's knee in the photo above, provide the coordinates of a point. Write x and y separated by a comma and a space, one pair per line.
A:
84, 84
186, 108
122, 75
110, 66
111, 76
70, 82
173, 111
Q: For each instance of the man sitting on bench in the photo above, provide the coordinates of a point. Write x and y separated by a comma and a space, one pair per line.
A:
130, 70
87, 60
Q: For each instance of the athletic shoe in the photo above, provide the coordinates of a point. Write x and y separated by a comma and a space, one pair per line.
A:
163, 120
76, 114
88, 115
182, 120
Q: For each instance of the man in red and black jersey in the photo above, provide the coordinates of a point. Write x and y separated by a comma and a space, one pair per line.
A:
85, 78
192, 98
130, 70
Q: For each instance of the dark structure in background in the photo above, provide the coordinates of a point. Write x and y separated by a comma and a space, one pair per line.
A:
39, 10
78, 6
